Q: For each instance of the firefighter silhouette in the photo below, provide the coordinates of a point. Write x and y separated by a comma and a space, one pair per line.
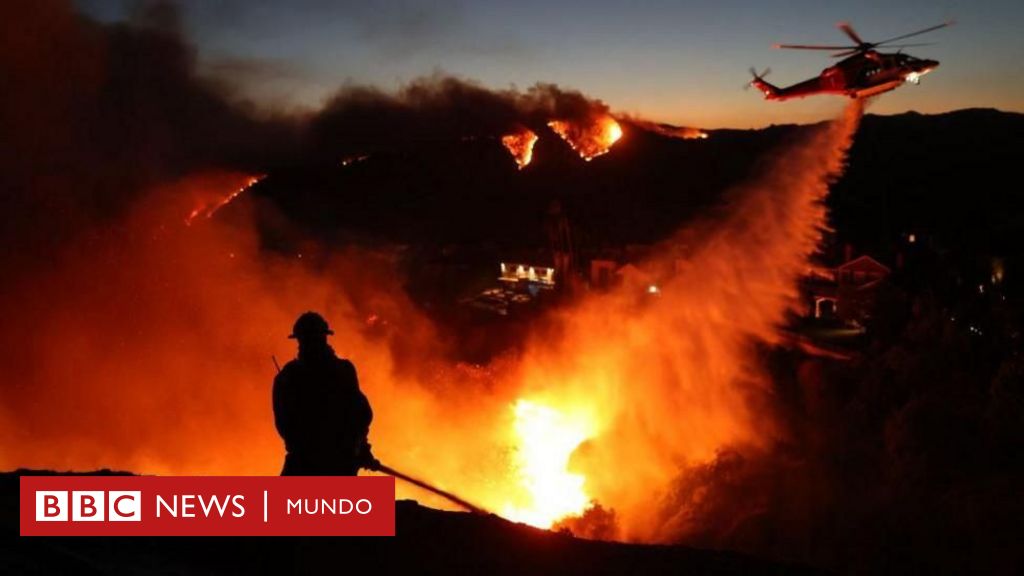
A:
319, 411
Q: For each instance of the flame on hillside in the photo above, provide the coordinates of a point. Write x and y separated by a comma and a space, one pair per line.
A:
590, 139
213, 198
520, 146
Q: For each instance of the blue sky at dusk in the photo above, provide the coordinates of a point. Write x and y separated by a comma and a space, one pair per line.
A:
681, 62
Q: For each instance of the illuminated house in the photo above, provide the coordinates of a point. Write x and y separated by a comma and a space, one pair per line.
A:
846, 292
514, 274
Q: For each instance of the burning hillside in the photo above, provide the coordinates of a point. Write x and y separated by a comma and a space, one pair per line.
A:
654, 409
590, 139
439, 109
520, 146
192, 312
213, 201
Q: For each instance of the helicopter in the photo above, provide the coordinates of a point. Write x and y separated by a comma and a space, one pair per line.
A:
864, 72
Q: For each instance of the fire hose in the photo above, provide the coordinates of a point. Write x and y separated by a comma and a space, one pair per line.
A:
415, 481
433, 489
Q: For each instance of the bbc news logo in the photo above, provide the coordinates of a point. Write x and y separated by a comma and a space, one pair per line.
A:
88, 506
207, 506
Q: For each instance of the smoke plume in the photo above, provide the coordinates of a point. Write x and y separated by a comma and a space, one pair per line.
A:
96, 115
362, 119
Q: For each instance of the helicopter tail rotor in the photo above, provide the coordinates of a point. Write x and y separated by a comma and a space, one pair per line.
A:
761, 84
756, 76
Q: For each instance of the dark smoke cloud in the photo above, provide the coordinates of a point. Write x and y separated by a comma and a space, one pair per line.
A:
94, 114
441, 108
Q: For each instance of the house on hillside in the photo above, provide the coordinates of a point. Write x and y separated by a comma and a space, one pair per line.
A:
846, 292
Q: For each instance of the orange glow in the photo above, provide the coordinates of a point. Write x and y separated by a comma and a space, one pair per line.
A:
147, 347
520, 145
589, 140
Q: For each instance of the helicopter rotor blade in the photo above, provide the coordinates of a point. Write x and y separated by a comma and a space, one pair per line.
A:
929, 29
861, 45
849, 31
811, 47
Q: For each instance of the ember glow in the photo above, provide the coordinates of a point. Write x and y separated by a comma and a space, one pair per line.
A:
214, 198
520, 145
591, 139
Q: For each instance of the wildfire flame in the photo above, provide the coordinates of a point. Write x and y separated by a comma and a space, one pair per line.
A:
589, 140
546, 440
520, 145
209, 206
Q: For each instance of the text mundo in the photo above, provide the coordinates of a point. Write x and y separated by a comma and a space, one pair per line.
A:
341, 506
250, 505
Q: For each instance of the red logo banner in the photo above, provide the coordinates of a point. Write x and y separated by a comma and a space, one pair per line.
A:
207, 506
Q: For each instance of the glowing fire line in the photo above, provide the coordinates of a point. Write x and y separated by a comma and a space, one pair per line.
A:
207, 211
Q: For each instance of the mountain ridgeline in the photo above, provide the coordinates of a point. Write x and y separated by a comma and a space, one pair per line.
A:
938, 176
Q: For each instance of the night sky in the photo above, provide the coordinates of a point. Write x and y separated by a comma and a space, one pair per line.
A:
683, 62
